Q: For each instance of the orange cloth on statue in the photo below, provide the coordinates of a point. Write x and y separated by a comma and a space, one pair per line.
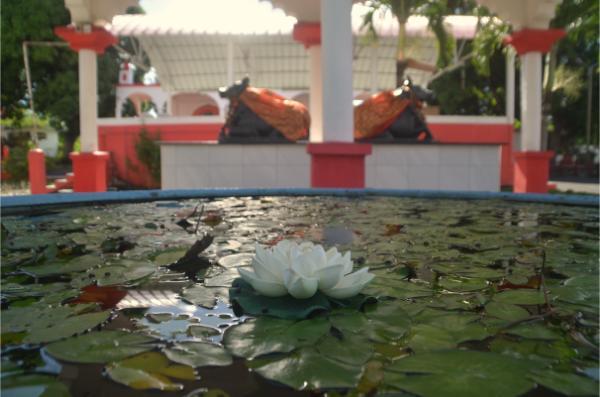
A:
291, 118
375, 114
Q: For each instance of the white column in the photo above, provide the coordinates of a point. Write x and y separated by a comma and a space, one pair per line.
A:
88, 100
510, 85
230, 59
315, 105
336, 66
531, 101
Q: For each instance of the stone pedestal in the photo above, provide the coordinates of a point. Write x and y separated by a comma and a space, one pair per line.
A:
90, 171
531, 172
338, 165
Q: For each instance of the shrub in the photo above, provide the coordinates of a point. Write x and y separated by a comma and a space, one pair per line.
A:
148, 152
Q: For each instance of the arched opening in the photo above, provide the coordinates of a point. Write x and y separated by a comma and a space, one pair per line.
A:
136, 104
191, 104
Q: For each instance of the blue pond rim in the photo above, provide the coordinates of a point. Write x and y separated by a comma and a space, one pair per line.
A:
14, 204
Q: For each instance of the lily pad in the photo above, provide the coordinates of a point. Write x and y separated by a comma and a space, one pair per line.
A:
203, 296
463, 373
100, 347
520, 297
198, 354
269, 335
150, 370
286, 307
307, 368
566, 383
69, 327
506, 311
33, 386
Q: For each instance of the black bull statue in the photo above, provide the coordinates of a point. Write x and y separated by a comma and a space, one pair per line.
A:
389, 116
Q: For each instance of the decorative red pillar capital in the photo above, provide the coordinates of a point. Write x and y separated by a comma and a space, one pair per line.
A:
307, 33
97, 40
337, 164
534, 40
90, 171
531, 172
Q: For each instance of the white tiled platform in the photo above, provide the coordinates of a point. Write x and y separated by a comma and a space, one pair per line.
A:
197, 165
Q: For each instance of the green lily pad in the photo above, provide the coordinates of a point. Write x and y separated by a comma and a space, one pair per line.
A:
198, 354
506, 311
200, 331
69, 327
150, 370
534, 331
308, 369
33, 386
100, 347
77, 264
387, 322
203, 296
463, 373
566, 383
286, 307
269, 335
169, 256
521, 297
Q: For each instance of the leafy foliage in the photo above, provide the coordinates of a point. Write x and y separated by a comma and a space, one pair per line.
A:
148, 152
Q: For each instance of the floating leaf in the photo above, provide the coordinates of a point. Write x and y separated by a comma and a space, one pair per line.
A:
520, 297
198, 354
107, 297
169, 256
150, 370
200, 331
269, 335
68, 327
533, 331
33, 386
463, 373
566, 383
308, 369
286, 307
506, 311
100, 347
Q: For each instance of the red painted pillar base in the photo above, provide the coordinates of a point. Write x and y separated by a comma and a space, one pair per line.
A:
531, 172
338, 165
37, 171
90, 171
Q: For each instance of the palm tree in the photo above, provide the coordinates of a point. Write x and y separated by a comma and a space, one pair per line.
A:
434, 10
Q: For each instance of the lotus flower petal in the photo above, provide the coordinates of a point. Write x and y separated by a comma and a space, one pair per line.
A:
330, 276
351, 284
298, 286
264, 287
302, 269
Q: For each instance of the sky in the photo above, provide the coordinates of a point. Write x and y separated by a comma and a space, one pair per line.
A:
240, 13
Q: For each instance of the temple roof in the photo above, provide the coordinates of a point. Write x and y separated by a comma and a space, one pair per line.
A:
192, 53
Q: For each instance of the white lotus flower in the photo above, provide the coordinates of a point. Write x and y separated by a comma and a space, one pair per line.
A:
303, 269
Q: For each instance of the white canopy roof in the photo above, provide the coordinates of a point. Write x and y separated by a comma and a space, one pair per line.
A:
193, 53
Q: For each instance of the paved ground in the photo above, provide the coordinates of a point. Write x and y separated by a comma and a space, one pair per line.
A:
577, 187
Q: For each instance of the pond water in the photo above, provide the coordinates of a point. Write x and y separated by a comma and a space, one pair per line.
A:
470, 298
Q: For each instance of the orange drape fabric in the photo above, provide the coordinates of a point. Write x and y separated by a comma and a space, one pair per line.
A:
291, 118
375, 114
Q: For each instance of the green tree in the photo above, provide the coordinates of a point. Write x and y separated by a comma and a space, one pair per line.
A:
54, 70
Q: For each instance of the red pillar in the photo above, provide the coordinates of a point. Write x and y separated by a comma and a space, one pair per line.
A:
37, 171
338, 165
531, 172
90, 171
532, 168
89, 168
